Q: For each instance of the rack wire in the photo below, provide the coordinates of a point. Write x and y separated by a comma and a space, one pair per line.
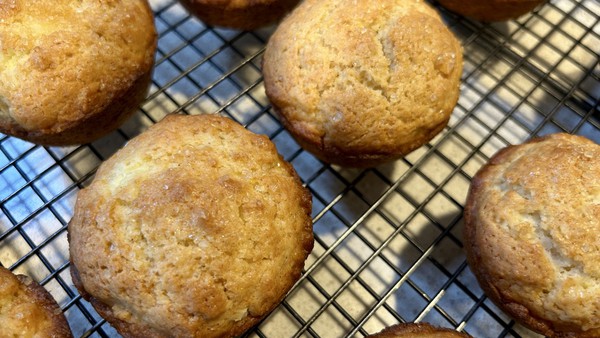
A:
388, 239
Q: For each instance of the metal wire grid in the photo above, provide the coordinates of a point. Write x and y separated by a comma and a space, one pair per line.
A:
388, 240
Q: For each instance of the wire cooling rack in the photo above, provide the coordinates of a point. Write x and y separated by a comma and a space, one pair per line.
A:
388, 239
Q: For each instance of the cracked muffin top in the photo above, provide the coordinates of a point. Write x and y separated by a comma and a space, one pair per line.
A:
196, 228
28, 310
72, 71
532, 220
359, 83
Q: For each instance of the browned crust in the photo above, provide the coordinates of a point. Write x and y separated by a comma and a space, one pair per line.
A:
126, 329
247, 15
362, 94
480, 268
330, 154
39, 296
92, 126
472, 248
131, 328
491, 10
417, 330
72, 106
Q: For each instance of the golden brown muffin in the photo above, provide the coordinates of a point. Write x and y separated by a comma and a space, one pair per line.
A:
239, 14
72, 71
28, 310
359, 83
196, 228
532, 220
491, 10
423, 330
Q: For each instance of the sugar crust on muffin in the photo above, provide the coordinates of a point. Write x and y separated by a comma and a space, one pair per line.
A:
531, 222
72, 71
28, 310
197, 227
364, 82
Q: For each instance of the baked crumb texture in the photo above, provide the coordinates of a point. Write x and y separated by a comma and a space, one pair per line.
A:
491, 10
359, 83
239, 14
532, 220
421, 330
72, 71
196, 228
27, 310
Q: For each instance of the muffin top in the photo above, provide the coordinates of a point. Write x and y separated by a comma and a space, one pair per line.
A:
197, 227
423, 330
61, 61
28, 310
363, 77
532, 219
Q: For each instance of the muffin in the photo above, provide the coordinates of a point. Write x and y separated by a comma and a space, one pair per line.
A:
359, 83
239, 14
424, 330
28, 310
532, 219
72, 71
196, 228
491, 10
